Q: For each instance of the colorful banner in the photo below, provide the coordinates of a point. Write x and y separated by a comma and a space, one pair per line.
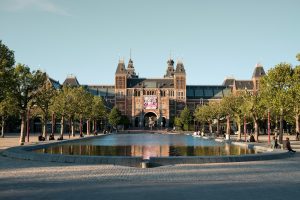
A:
150, 102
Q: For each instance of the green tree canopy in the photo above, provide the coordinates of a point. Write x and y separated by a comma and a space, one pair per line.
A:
26, 85
276, 88
114, 117
43, 100
185, 118
8, 107
7, 61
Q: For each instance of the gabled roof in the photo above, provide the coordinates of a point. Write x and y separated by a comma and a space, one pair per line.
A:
150, 83
243, 84
180, 68
228, 82
72, 81
55, 84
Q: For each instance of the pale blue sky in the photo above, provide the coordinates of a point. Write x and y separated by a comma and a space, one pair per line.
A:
214, 38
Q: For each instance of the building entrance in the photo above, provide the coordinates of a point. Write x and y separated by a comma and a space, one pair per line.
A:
150, 120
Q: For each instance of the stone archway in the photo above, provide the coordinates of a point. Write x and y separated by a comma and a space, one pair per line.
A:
150, 120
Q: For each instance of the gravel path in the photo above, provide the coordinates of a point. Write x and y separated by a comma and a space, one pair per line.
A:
274, 179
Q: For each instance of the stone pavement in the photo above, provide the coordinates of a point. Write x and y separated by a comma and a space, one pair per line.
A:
272, 179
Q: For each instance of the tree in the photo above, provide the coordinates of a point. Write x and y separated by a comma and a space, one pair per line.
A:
185, 118
8, 107
276, 88
177, 122
60, 105
98, 111
298, 56
114, 117
255, 107
203, 115
232, 106
7, 61
82, 105
217, 113
208, 113
43, 100
26, 86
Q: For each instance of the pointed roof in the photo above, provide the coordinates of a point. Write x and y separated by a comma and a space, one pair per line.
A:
55, 84
180, 68
72, 81
258, 71
130, 70
170, 69
121, 67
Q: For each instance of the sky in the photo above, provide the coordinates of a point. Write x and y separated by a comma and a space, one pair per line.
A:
214, 39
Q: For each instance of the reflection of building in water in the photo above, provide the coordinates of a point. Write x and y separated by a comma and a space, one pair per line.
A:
148, 151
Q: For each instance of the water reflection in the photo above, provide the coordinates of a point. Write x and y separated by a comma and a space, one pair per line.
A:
147, 151
147, 145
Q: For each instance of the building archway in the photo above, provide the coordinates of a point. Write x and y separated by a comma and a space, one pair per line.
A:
150, 120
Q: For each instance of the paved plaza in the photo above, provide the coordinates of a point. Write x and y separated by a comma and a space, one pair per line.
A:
272, 179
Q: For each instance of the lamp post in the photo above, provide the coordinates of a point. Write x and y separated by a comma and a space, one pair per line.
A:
245, 128
28, 129
52, 127
269, 127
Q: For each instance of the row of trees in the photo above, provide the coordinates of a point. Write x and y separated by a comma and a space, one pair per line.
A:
23, 91
278, 98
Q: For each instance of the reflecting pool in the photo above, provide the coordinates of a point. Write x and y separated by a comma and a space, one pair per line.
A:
147, 145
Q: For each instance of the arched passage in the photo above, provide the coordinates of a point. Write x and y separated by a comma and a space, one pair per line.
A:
150, 120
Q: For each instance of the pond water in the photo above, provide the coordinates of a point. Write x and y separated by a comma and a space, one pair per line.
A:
147, 145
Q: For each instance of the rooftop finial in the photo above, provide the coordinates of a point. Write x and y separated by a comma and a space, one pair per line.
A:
130, 54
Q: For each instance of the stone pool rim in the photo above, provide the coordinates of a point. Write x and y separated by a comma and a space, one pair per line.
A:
26, 153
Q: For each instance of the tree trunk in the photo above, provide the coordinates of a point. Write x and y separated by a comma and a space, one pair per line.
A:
2, 126
218, 127
281, 128
297, 122
62, 122
88, 127
45, 127
72, 128
210, 127
256, 130
228, 127
94, 126
22, 133
52, 123
80, 126
239, 130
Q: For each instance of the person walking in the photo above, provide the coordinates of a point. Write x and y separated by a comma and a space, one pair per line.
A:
274, 143
288, 145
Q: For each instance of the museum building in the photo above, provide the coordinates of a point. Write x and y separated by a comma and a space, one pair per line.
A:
156, 101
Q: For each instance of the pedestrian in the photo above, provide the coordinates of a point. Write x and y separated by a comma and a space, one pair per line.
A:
252, 138
288, 145
274, 143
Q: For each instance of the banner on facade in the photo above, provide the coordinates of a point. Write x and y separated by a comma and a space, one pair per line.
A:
150, 102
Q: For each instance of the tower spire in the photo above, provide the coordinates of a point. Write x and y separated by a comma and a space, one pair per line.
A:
130, 54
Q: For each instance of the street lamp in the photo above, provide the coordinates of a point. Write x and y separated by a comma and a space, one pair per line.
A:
269, 127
